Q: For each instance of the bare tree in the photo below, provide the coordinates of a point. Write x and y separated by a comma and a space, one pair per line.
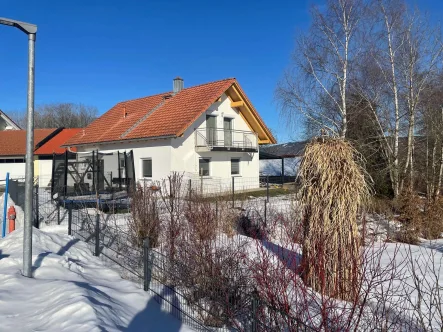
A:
391, 15
58, 115
378, 82
421, 52
431, 126
401, 60
317, 83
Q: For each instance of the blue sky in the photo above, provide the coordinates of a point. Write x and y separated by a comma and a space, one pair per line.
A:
101, 52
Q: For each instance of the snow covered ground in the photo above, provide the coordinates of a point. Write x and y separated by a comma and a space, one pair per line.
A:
71, 290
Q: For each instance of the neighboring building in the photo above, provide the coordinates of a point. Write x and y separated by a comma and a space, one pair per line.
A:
43, 155
6, 123
211, 130
46, 142
283, 158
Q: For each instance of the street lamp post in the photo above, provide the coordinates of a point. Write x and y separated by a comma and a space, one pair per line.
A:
31, 31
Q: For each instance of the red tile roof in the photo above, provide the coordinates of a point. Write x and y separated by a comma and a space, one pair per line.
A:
154, 116
13, 142
55, 143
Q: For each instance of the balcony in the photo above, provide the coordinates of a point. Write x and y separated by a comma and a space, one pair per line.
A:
213, 139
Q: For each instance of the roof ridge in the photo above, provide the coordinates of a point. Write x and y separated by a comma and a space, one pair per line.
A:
171, 92
150, 96
198, 85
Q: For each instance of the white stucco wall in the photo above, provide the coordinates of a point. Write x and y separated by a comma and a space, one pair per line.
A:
186, 158
44, 172
16, 170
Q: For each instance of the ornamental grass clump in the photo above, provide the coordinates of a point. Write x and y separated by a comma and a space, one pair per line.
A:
333, 192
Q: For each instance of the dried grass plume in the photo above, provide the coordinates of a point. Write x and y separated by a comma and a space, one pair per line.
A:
334, 189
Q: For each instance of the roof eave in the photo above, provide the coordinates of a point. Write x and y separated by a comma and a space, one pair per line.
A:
121, 141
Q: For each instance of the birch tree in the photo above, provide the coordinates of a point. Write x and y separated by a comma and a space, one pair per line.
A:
431, 126
419, 58
317, 83
390, 15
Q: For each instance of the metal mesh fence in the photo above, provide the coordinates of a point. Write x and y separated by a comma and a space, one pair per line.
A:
48, 209
58, 173
196, 278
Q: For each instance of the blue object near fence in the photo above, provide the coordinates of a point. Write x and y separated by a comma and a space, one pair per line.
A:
5, 205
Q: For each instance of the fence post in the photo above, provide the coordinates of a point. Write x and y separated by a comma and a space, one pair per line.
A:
70, 219
267, 188
201, 185
216, 212
65, 176
233, 191
37, 216
146, 265
97, 235
254, 312
58, 213
190, 189
266, 212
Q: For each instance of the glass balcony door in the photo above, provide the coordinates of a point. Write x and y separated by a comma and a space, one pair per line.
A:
227, 131
211, 130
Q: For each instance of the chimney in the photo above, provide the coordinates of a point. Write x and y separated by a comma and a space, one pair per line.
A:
177, 84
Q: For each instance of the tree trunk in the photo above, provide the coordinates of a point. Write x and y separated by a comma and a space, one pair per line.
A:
440, 172
432, 180
409, 165
345, 76
395, 166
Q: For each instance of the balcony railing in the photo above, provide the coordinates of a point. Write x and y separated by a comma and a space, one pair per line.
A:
214, 139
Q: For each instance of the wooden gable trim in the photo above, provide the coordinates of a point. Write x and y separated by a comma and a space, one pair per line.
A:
239, 103
249, 115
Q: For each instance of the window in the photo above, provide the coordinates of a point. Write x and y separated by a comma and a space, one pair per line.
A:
147, 168
122, 163
12, 161
203, 166
235, 166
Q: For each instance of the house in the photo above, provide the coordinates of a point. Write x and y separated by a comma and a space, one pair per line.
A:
281, 159
6, 123
46, 142
210, 130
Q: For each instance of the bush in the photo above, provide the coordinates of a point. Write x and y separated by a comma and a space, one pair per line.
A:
144, 221
409, 206
210, 267
432, 223
419, 217
382, 205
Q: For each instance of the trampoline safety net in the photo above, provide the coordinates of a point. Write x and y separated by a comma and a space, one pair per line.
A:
95, 172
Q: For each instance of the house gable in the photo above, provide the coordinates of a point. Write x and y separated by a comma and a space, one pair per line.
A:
241, 102
6, 123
